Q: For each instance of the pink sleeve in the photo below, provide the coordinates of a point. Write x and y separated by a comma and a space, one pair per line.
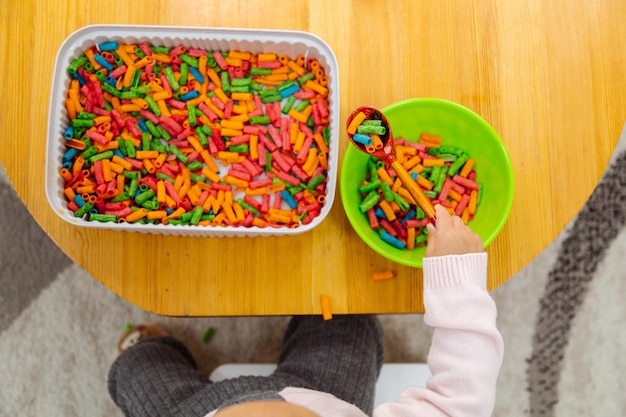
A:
466, 350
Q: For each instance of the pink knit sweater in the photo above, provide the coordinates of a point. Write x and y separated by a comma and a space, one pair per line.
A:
465, 355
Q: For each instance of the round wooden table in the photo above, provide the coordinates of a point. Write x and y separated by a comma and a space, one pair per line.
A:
548, 76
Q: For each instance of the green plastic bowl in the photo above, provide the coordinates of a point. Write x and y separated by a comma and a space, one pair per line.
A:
459, 127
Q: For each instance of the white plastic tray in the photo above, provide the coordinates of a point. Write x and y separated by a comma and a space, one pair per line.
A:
290, 43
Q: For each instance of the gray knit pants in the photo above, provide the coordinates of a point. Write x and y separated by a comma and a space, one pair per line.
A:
342, 356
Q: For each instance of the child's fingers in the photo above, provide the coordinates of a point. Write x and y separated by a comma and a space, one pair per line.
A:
457, 222
444, 220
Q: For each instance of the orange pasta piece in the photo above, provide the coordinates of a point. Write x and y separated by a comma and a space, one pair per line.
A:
136, 215
424, 183
413, 162
432, 162
156, 214
147, 154
410, 238
386, 208
384, 175
356, 121
382, 275
377, 142
430, 140
471, 206
467, 168
326, 312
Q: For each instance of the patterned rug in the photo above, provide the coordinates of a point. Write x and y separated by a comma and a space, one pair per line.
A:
561, 318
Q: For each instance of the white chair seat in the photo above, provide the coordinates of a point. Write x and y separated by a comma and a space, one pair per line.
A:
394, 377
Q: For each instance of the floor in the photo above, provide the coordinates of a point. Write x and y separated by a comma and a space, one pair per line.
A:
561, 318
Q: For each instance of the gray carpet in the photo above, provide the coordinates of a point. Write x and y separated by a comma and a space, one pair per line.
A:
561, 318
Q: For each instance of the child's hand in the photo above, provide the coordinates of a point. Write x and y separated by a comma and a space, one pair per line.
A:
451, 236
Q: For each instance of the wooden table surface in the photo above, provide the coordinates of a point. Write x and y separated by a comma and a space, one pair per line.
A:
549, 76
